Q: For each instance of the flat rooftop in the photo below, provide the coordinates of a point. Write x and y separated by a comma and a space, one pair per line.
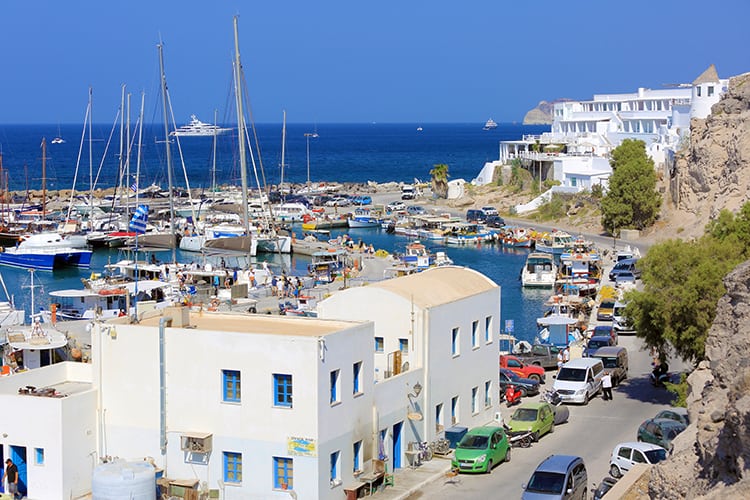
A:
259, 323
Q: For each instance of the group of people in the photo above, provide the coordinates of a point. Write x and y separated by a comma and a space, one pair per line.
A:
286, 286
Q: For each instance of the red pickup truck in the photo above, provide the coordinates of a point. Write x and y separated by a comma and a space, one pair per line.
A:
517, 366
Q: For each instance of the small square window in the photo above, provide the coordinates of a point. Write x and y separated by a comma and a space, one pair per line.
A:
378, 344
231, 386
39, 456
403, 346
710, 90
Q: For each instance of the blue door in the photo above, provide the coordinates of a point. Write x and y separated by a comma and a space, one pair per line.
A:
397, 445
18, 455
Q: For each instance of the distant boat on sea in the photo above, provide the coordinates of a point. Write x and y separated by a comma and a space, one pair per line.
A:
58, 139
197, 128
419, 129
489, 124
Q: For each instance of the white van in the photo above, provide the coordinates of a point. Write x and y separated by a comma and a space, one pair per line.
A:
579, 380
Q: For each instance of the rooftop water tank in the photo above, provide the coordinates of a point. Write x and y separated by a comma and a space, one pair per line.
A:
121, 480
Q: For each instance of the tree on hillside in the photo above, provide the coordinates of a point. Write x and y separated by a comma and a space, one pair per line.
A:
683, 282
632, 200
439, 180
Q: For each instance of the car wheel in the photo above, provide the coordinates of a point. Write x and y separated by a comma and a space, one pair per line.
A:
614, 471
535, 437
586, 399
507, 454
523, 392
489, 467
552, 428
535, 378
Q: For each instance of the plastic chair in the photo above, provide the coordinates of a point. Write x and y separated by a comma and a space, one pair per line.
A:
388, 479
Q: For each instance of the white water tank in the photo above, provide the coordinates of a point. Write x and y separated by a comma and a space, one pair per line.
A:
121, 480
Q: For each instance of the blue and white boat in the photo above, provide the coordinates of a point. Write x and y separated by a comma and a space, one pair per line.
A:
45, 251
364, 217
556, 242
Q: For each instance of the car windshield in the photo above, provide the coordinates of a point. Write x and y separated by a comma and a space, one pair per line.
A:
656, 456
596, 344
607, 304
525, 415
473, 442
610, 362
673, 431
571, 375
546, 482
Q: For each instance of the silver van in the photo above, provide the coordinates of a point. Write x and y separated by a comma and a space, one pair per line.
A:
615, 361
579, 380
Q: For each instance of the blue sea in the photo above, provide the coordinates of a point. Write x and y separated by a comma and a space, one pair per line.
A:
354, 153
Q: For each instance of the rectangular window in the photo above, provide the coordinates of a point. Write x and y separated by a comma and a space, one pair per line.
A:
454, 410
357, 452
698, 90
282, 389
454, 342
475, 400
573, 181
488, 394
474, 334
335, 397
488, 329
231, 386
378, 344
283, 473
334, 466
232, 467
439, 424
403, 346
710, 90
39, 456
356, 374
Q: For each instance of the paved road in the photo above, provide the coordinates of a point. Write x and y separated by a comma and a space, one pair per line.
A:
591, 433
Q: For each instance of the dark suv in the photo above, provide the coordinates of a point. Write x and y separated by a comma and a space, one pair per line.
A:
494, 221
475, 216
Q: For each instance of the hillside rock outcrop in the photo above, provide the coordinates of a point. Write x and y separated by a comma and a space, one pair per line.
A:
542, 114
713, 173
712, 457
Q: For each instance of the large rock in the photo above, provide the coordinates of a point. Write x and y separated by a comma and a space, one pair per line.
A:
713, 457
542, 114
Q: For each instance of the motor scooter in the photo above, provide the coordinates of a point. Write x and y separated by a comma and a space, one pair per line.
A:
660, 375
512, 395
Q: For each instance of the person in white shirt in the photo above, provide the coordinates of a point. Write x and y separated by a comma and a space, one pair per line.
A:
607, 387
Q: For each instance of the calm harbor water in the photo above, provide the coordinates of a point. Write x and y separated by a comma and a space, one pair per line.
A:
344, 153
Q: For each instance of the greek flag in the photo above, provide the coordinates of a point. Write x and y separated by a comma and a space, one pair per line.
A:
134, 187
138, 222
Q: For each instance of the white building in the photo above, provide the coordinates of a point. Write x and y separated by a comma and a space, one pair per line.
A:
50, 432
707, 90
443, 324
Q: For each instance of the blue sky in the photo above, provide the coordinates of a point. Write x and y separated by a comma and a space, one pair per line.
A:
350, 61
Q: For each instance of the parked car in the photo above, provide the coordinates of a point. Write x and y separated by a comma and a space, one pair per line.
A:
625, 265
489, 211
494, 221
660, 431
521, 369
360, 200
626, 455
395, 206
527, 386
606, 330
338, 201
679, 414
625, 279
615, 361
535, 417
481, 449
605, 310
408, 193
473, 215
604, 487
595, 343
558, 476
579, 380
620, 322
544, 355
415, 210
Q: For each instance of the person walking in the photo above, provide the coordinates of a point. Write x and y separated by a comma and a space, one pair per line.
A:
11, 474
607, 386
559, 360
566, 354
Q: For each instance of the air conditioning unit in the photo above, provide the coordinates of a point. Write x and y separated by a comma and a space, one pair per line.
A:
196, 443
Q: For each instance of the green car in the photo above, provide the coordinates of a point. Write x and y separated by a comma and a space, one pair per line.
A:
539, 418
480, 449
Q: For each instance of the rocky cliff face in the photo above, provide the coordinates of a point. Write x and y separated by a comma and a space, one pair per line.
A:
713, 173
542, 114
712, 457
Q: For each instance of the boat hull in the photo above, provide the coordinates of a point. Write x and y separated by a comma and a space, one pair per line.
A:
46, 261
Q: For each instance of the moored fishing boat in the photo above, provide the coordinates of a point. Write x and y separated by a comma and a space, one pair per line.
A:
555, 242
539, 271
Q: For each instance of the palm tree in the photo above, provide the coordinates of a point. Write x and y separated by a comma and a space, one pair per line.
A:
439, 180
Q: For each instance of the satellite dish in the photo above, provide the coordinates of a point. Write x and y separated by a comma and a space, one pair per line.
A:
413, 415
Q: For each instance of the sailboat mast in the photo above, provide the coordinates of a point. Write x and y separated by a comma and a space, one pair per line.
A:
91, 157
44, 178
283, 147
213, 163
168, 153
240, 125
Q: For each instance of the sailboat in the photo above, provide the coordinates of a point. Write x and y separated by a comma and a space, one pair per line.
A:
58, 139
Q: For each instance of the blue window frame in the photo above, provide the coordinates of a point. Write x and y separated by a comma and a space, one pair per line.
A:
378, 344
335, 387
357, 452
335, 465
282, 390
403, 346
232, 467
39, 455
356, 372
454, 342
283, 473
231, 386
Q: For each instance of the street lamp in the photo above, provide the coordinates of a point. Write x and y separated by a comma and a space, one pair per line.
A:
307, 140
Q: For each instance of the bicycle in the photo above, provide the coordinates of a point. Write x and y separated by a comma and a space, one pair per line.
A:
425, 452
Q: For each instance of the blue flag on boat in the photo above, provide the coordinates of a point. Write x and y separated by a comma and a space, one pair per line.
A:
138, 222
134, 187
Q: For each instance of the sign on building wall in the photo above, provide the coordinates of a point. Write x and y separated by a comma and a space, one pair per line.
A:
509, 326
303, 447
